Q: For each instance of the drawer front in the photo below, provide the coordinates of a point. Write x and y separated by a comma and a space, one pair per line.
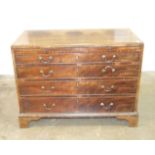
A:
84, 104
48, 104
47, 87
47, 72
108, 57
113, 70
43, 59
107, 86
107, 104
67, 87
74, 55
68, 58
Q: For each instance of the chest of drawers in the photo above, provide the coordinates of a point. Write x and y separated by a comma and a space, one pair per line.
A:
77, 73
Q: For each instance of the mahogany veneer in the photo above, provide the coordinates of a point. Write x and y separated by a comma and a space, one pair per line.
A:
77, 73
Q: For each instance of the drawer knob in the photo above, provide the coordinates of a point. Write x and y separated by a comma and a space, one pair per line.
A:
107, 88
43, 87
77, 57
106, 68
42, 60
104, 57
111, 104
50, 72
49, 106
114, 56
101, 104
52, 87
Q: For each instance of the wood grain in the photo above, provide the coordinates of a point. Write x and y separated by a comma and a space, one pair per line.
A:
120, 86
49, 104
40, 57
47, 72
112, 70
48, 88
73, 104
74, 38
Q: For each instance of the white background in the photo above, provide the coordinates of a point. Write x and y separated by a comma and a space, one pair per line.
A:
70, 147
18, 15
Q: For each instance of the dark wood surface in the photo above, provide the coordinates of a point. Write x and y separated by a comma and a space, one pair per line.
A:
62, 56
74, 38
74, 71
46, 104
47, 72
106, 104
75, 87
90, 72
106, 70
77, 105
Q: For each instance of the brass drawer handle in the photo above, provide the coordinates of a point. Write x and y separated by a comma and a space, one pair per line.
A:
41, 59
46, 75
77, 57
104, 70
51, 88
42, 87
107, 106
102, 104
107, 88
49, 107
108, 61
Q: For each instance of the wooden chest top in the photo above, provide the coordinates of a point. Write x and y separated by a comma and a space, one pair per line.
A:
77, 38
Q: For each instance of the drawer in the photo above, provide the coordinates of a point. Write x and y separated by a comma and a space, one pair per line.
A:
108, 57
106, 104
74, 55
105, 70
120, 86
71, 87
44, 59
83, 105
47, 72
47, 88
48, 104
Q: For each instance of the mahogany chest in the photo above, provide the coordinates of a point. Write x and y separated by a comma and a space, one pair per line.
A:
77, 73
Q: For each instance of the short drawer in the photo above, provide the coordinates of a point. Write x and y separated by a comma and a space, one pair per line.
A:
47, 88
47, 72
107, 104
45, 59
108, 57
111, 70
113, 86
48, 104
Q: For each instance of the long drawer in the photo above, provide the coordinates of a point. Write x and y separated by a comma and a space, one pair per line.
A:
74, 71
74, 87
81, 105
69, 58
